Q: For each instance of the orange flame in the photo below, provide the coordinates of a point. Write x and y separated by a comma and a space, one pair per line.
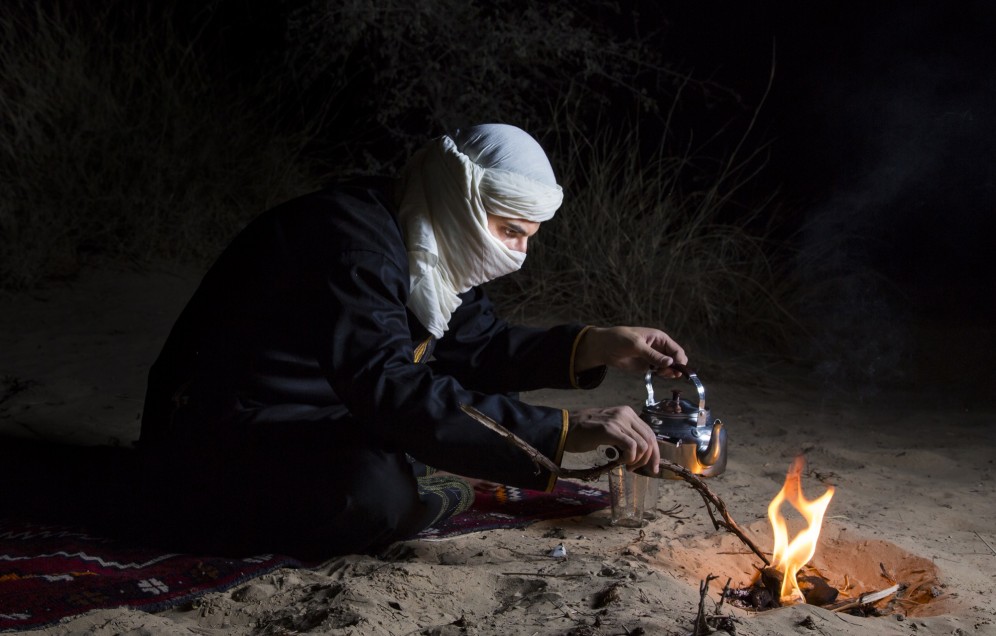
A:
789, 557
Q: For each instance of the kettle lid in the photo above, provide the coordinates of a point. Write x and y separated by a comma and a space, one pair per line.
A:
677, 407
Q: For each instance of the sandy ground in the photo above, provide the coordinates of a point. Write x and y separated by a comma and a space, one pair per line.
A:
915, 497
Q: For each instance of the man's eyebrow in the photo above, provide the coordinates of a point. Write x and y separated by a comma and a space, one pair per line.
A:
515, 227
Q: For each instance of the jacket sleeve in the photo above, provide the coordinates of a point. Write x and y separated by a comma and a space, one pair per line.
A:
491, 355
364, 348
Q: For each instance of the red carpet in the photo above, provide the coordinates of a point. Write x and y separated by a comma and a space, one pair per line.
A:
507, 507
49, 572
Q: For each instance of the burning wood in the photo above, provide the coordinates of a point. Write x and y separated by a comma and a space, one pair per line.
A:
761, 595
788, 557
781, 584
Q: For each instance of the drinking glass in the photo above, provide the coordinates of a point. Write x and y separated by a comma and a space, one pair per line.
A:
628, 493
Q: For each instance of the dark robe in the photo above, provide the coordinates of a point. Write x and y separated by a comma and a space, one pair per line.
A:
295, 388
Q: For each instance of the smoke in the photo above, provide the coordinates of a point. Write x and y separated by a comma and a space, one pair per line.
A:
909, 215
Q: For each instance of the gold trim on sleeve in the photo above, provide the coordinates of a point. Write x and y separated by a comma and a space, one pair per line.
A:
574, 351
559, 456
420, 350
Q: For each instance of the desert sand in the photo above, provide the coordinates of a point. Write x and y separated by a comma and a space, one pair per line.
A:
914, 501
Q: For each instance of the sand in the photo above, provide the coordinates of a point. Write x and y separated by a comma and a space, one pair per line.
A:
914, 502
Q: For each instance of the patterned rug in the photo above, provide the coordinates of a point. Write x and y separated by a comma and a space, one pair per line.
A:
49, 572
497, 506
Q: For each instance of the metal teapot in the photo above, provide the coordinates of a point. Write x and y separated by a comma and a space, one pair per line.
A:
686, 432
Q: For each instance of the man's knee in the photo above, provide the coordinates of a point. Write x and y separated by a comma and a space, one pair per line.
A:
381, 505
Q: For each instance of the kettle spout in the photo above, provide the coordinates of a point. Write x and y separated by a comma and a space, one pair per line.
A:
717, 446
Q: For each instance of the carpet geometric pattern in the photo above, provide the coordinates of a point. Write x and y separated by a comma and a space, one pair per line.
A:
49, 572
507, 507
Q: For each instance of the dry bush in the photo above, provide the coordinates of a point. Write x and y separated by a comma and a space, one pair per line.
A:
632, 245
635, 243
402, 70
117, 143
121, 141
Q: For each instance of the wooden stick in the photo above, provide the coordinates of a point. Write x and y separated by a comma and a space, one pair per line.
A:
701, 627
710, 497
986, 542
539, 459
865, 599
590, 474
563, 575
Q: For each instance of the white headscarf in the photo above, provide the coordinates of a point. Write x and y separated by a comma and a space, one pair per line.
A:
449, 186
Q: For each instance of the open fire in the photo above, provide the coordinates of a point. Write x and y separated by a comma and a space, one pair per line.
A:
788, 557
779, 583
913, 585
848, 575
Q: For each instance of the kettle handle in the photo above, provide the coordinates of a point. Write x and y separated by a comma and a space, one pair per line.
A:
692, 377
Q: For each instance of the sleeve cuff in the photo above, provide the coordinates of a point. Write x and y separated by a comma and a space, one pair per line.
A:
586, 379
559, 456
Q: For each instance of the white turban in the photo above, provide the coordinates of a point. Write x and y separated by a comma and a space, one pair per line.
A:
449, 187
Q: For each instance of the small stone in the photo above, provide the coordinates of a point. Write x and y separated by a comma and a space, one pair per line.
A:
808, 623
817, 591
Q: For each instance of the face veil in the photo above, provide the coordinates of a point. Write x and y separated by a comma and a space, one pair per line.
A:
449, 188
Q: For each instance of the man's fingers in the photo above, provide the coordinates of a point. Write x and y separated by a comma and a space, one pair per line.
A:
631, 444
652, 355
652, 450
670, 373
644, 445
668, 347
655, 453
617, 426
629, 448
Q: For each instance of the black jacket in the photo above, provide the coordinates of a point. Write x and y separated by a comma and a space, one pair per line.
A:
303, 319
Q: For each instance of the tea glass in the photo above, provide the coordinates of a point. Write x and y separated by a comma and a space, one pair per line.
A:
628, 494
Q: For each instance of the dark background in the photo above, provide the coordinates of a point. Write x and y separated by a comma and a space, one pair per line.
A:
880, 121
876, 121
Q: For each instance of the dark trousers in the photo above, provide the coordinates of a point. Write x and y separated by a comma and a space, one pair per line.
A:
308, 490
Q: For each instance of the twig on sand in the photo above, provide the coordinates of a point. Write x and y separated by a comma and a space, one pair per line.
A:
590, 474
701, 628
986, 542
556, 575
706, 624
865, 599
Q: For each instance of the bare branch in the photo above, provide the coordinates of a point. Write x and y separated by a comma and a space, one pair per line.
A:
590, 474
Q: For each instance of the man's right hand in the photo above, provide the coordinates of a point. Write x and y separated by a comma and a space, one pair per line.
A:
618, 426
